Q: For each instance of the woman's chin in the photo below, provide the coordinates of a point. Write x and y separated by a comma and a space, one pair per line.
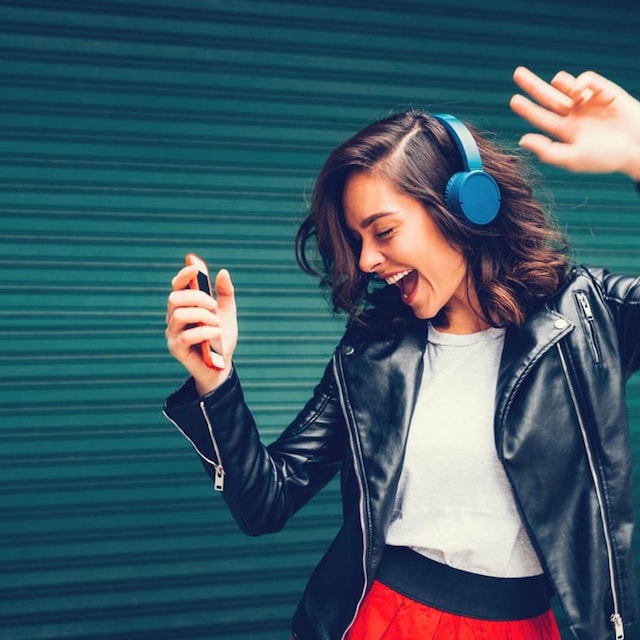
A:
423, 312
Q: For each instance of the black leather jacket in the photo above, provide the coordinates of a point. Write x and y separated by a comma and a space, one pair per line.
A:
561, 432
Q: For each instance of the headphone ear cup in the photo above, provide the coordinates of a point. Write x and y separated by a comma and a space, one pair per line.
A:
451, 197
473, 196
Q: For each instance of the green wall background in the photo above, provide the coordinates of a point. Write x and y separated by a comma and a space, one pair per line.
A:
133, 132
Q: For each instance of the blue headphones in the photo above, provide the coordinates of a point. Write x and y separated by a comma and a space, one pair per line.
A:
471, 194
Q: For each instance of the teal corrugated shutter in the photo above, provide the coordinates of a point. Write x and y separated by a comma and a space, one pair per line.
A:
133, 132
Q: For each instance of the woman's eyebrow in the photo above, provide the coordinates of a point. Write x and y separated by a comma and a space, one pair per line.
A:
369, 220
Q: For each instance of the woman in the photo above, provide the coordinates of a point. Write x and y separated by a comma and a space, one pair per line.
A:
475, 405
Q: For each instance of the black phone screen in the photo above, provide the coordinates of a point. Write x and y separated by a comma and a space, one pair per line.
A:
203, 282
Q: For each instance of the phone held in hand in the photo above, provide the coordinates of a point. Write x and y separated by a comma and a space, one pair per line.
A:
202, 282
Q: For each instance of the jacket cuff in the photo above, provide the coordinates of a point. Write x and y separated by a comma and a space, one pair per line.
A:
187, 393
184, 409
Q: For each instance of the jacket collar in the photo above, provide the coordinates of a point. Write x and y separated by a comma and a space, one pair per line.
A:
381, 378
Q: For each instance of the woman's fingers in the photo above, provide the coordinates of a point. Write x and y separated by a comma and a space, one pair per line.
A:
182, 279
189, 298
538, 116
184, 317
548, 104
187, 328
591, 86
550, 151
548, 96
564, 82
183, 343
193, 318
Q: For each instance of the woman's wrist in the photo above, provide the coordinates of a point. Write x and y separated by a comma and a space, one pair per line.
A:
631, 165
209, 383
634, 170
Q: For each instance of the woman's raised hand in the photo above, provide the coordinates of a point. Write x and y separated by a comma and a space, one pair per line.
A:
590, 124
194, 317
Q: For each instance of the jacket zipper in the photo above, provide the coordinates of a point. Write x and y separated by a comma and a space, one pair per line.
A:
585, 307
218, 482
356, 467
616, 618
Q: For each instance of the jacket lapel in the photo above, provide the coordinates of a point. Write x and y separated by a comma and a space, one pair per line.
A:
523, 347
380, 381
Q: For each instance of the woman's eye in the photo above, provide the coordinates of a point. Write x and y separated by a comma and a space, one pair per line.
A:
385, 233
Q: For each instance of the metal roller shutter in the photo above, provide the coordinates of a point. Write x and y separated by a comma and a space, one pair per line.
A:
133, 132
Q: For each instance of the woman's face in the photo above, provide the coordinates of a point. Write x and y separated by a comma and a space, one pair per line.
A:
401, 244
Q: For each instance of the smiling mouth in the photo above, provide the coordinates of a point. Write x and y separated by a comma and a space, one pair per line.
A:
406, 281
397, 277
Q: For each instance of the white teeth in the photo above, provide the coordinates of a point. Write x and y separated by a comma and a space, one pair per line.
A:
397, 277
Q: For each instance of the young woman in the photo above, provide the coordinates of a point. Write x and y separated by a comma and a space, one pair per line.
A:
475, 405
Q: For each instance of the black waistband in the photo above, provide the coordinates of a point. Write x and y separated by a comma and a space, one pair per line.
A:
460, 592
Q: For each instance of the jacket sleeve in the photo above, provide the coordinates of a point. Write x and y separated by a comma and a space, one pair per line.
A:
622, 295
263, 486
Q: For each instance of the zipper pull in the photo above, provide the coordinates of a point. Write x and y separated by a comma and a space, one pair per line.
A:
584, 303
616, 620
218, 483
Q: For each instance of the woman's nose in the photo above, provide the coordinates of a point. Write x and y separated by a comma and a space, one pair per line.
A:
370, 258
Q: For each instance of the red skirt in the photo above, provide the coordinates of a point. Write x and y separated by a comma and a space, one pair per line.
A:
386, 614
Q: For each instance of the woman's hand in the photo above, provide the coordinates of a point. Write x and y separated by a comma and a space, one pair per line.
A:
592, 124
194, 317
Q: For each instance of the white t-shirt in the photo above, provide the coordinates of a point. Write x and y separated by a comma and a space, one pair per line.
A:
454, 502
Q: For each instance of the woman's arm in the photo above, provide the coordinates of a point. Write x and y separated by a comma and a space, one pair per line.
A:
262, 485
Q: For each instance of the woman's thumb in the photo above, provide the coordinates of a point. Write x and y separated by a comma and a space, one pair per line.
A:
224, 290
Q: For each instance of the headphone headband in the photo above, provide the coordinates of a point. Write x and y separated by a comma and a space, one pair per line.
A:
464, 141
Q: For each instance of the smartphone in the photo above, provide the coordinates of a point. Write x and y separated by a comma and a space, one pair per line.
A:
202, 282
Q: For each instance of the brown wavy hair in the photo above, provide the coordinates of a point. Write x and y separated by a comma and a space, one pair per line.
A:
515, 263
